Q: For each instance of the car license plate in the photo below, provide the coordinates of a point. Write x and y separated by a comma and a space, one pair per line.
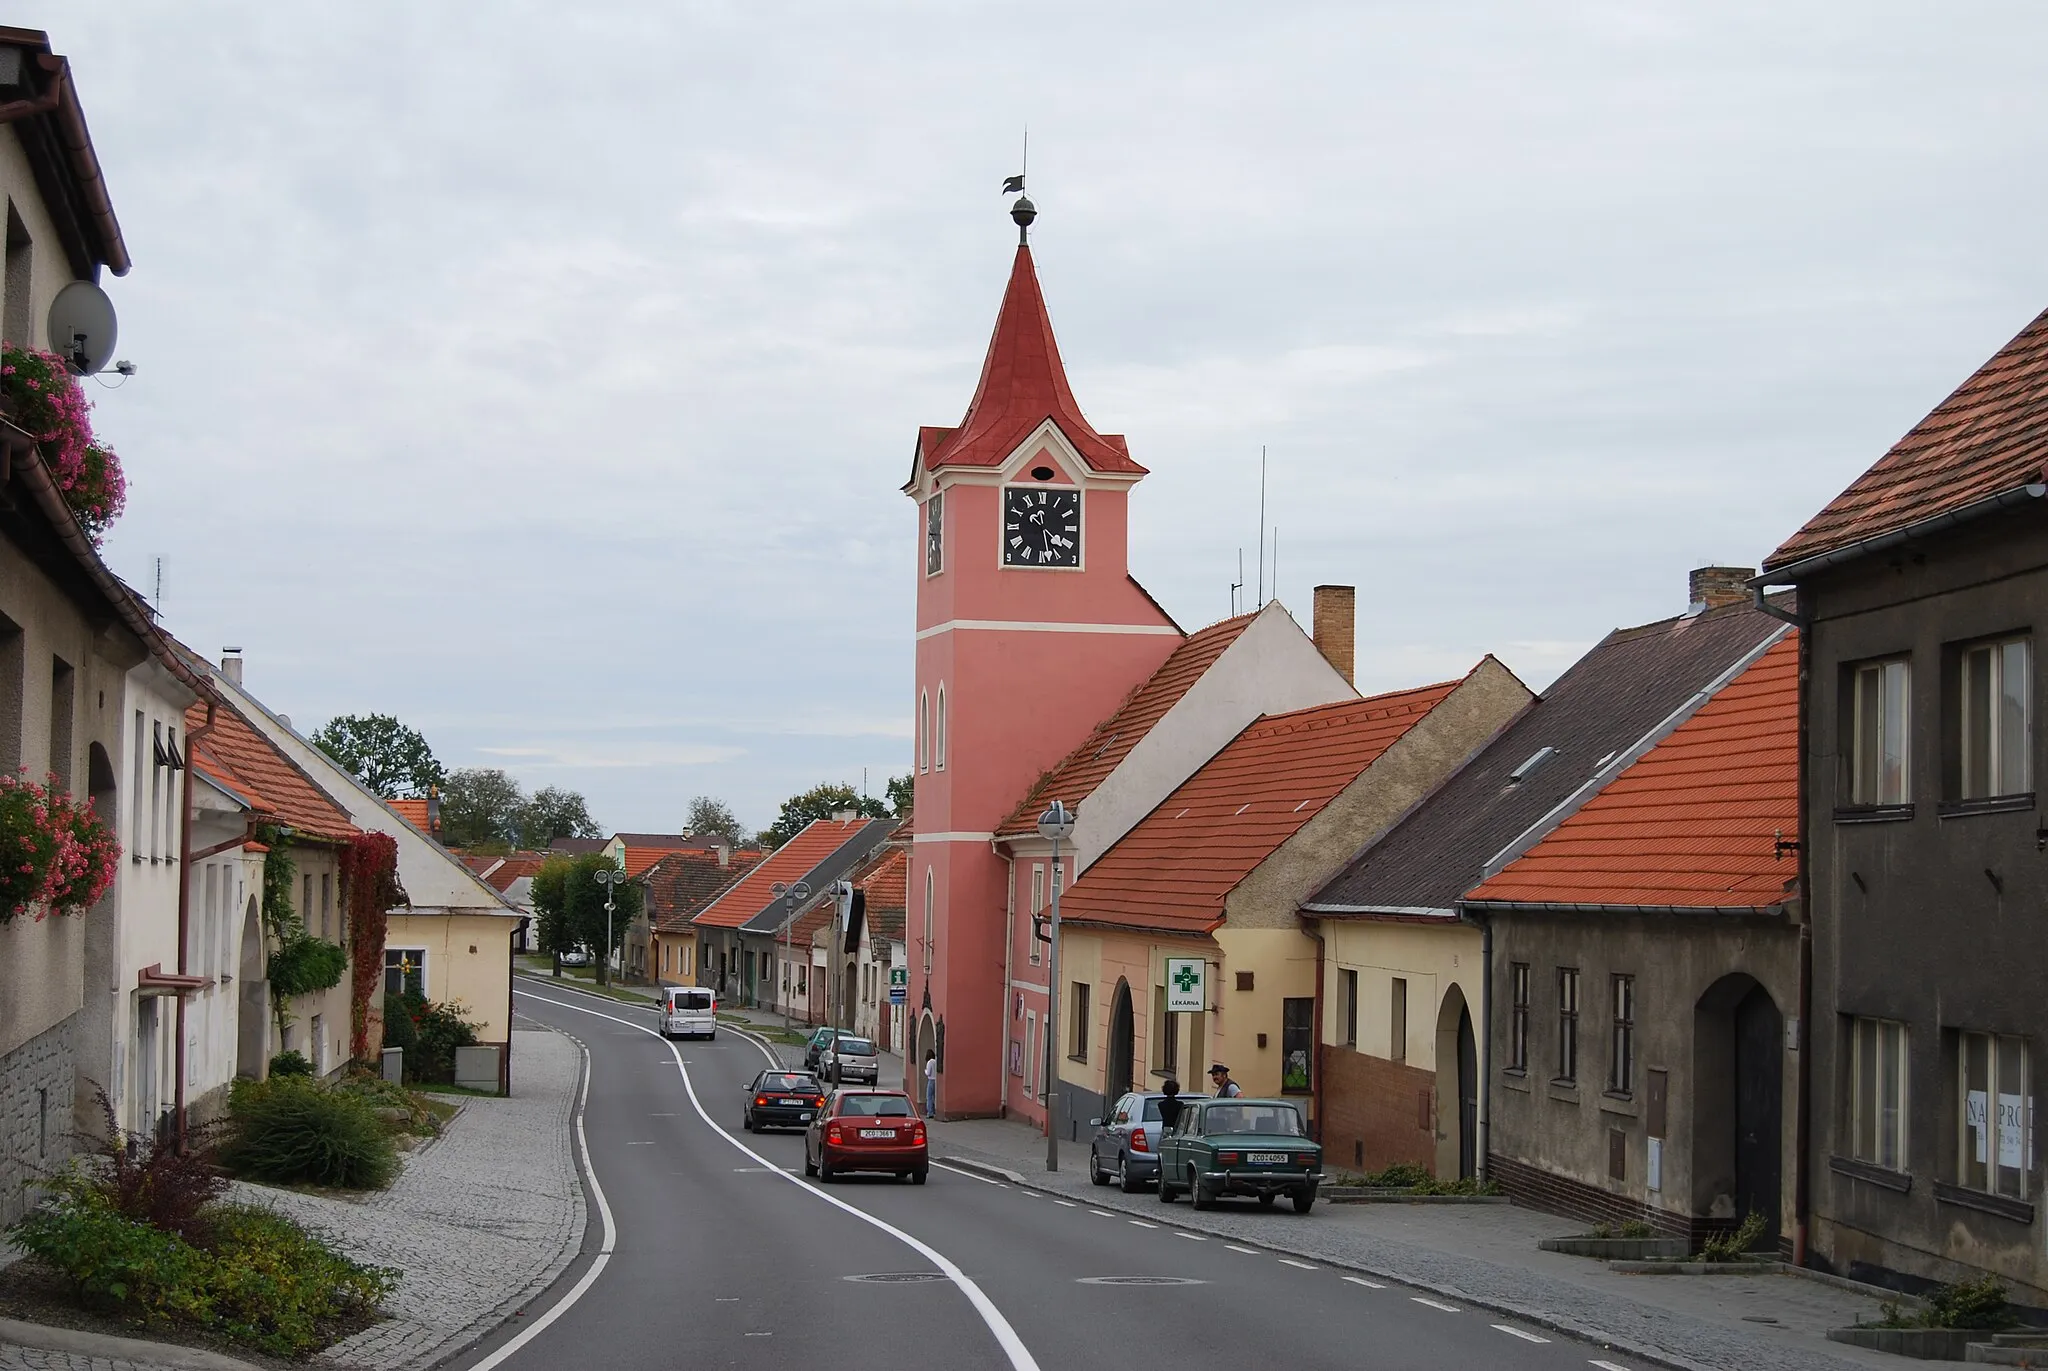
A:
788, 1102
1268, 1159
878, 1132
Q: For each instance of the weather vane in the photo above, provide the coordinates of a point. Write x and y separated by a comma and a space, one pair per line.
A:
1023, 212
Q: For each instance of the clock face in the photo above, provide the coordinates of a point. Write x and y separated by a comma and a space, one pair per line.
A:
1041, 526
934, 534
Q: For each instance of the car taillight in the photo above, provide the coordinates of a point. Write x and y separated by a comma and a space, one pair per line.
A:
832, 1134
917, 1133
760, 1099
1138, 1143
1227, 1158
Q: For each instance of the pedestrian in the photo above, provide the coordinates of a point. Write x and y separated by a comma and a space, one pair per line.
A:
931, 1084
1219, 1077
1170, 1106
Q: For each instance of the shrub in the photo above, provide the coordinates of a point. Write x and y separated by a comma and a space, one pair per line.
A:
1734, 1246
389, 1099
1634, 1228
297, 1131
290, 1063
1399, 1176
1968, 1304
429, 1033
304, 964
1601, 1229
146, 1178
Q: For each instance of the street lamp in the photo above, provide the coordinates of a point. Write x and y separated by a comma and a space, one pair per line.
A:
609, 877
1056, 825
792, 897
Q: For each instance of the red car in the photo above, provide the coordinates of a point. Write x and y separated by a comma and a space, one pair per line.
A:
866, 1130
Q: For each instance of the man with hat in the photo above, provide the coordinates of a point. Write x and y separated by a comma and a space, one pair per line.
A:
1219, 1077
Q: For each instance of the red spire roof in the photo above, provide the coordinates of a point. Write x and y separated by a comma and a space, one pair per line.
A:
1023, 383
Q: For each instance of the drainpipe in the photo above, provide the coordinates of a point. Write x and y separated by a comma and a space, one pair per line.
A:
1316, 1078
1802, 1128
193, 737
1482, 1145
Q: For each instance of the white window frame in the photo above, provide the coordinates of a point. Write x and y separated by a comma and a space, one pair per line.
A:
1871, 777
1886, 1144
2006, 1131
924, 726
1992, 662
939, 732
426, 986
927, 923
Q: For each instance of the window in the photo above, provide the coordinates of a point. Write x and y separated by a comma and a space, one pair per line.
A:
306, 908
1297, 1045
137, 843
1165, 1036
1879, 773
1030, 1057
326, 902
1037, 908
939, 733
1397, 1027
935, 534
1567, 1023
1348, 985
156, 789
1518, 1017
405, 970
1997, 733
924, 724
1995, 1114
1877, 1092
1621, 1066
1077, 1039
63, 683
18, 313
927, 922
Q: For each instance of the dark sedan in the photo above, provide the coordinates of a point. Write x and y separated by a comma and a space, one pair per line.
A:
1240, 1147
782, 1099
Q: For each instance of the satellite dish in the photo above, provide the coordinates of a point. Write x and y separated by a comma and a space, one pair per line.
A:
82, 327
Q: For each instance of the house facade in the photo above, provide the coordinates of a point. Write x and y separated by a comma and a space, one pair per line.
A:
1922, 590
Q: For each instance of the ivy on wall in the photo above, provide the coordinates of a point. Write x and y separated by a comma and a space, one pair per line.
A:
369, 890
300, 964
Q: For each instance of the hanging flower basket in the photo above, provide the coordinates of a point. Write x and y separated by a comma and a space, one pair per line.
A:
45, 400
56, 857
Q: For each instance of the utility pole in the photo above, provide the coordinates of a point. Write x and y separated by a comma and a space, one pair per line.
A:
1056, 825
609, 877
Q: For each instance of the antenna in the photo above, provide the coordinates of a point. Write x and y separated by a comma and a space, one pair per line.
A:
1276, 561
1262, 525
156, 601
1237, 585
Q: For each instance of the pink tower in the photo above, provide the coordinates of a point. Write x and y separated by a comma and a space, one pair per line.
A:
1030, 630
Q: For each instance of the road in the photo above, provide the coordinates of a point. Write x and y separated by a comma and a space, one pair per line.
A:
722, 1255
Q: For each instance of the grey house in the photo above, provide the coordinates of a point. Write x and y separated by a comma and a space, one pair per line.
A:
1922, 588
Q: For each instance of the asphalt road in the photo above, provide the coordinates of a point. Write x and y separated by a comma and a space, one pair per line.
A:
723, 1255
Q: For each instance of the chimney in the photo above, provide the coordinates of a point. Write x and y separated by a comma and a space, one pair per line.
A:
842, 816
724, 852
1711, 587
1336, 629
231, 664
433, 810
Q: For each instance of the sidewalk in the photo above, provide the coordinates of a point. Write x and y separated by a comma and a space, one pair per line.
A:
1487, 1255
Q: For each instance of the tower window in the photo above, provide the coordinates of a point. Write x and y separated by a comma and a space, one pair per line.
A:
924, 726
939, 734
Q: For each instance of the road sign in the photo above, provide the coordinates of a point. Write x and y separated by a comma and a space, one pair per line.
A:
1187, 985
899, 984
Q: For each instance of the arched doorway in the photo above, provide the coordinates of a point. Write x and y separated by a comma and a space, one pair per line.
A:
1738, 1103
1122, 1041
1457, 1087
252, 1020
921, 1047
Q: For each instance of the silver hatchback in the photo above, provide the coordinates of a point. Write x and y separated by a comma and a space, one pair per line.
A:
852, 1059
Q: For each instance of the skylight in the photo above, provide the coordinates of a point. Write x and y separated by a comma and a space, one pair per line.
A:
1528, 768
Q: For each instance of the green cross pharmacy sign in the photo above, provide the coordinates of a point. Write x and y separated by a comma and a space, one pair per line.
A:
1187, 985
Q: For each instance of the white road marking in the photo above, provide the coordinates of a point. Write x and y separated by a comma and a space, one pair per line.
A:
1102, 1213
1434, 1304
1609, 1366
1140, 1223
1289, 1261
1019, 1355
1191, 1237
1522, 1333
604, 1251
1360, 1280
968, 1174
1065, 1204
640, 1144
1248, 1251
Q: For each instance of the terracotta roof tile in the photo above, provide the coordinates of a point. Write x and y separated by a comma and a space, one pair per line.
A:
680, 884
413, 812
1074, 779
248, 764
1023, 383
1695, 822
886, 880
1173, 871
1988, 438
789, 863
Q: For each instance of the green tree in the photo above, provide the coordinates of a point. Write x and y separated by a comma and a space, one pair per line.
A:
555, 812
382, 753
481, 805
900, 791
819, 802
568, 907
708, 815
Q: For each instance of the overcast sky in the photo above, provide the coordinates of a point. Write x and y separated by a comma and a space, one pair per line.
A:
545, 374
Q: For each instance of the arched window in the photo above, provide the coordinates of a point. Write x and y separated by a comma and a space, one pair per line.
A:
927, 921
939, 736
923, 731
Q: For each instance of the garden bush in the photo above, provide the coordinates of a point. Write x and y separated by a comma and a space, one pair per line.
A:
291, 1062
429, 1033
1734, 1246
293, 1130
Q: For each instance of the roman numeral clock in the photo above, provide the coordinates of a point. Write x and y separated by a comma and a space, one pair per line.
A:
1041, 528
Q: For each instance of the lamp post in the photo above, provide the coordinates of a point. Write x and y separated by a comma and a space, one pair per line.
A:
792, 897
610, 878
1056, 825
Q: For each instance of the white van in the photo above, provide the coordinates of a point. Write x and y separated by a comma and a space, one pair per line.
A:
688, 1012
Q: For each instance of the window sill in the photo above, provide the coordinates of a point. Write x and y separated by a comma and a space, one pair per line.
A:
1872, 814
1624, 1105
1082, 1059
1885, 1177
1515, 1080
1568, 1091
2004, 1206
1297, 1090
1992, 804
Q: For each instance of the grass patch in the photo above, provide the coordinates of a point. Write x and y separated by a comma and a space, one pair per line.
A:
444, 1110
1409, 1179
589, 986
1735, 1246
1965, 1304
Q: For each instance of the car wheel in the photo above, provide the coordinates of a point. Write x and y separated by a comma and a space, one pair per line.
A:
746, 1122
917, 1176
1095, 1172
1125, 1181
824, 1171
1204, 1197
810, 1167
1304, 1200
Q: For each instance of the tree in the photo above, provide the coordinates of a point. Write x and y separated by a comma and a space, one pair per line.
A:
708, 815
900, 790
480, 805
382, 753
555, 812
819, 802
568, 905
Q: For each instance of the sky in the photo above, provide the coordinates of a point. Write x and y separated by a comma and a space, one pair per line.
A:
546, 375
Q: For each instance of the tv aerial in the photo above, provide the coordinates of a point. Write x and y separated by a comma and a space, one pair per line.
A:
83, 329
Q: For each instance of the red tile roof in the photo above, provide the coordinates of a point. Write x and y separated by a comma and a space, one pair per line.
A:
245, 762
1173, 871
413, 812
1023, 383
788, 863
507, 869
1988, 438
885, 880
680, 884
1694, 823
1077, 775
638, 859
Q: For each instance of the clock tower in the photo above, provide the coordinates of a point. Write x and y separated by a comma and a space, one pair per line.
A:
1030, 630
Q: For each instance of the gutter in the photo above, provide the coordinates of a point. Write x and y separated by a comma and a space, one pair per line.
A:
1791, 573
60, 102
1758, 911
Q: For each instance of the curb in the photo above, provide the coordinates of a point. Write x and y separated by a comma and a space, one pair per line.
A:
154, 1354
1000, 1173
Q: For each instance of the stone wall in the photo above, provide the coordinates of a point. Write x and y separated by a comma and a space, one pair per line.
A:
35, 1112
1376, 1112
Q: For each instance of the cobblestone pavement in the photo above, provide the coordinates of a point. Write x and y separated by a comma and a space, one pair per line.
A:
1487, 1254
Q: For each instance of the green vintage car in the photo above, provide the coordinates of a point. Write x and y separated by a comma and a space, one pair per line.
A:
1240, 1147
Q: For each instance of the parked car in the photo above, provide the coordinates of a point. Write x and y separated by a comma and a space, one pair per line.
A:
848, 1058
781, 1099
866, 1130
1125, 1148
687, 1011
814, 1049
1240, 1147
576, 957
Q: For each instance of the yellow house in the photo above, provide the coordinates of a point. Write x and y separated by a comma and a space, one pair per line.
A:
1216, 873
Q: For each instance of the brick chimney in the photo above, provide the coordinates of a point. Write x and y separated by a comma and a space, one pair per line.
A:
1711, 587
1336, 627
